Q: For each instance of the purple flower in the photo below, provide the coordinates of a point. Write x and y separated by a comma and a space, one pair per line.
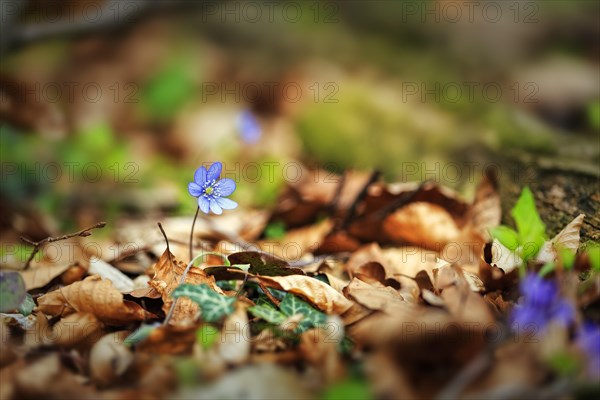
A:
540, 305
588, 340
249, 128
211, 191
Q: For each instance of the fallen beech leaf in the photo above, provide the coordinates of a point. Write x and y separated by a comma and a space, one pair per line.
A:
422, 224
485, 211
503, 258
120, 281
96, 296
317, 292
37, 277
167, 276
567, 238
374, 298
460, 299
74, 329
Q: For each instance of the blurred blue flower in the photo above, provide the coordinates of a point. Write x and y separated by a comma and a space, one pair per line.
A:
249, 127
211, 191
540, 305
588, 340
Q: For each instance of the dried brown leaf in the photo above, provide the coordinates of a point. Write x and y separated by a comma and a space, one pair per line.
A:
74, 329
37, 277
380, 298
167, 276
568, 238
96, 296
423, 224
317, 292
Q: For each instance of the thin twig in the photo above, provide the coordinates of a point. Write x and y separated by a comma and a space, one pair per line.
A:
192, 231
168, 248
268, 293
164, 235
37, 245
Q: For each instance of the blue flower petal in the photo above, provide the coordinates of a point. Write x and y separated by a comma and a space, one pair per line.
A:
194, 189
200, 176
214, 207
226, 204
226, 186
564, 313
214, 171
204, 205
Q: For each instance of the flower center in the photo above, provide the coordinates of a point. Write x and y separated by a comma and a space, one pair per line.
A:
211, 189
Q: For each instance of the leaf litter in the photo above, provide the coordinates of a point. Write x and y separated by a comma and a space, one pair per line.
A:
404, 290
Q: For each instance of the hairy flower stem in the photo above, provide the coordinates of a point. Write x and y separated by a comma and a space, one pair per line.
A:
192, 231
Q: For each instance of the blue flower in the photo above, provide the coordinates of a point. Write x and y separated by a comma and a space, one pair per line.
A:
250, 130
541, 304
588, 340
211, 191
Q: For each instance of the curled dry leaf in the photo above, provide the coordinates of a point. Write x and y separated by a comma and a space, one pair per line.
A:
423, 224
96, 296
503, 258
40, 276
375, 298
167, 276
459, 297
568, 238
317, 292
485, 212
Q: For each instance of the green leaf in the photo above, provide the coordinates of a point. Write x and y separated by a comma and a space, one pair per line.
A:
27, 305
243, 267
268, 313
140, 334
593, 252
565, 364
212, 304
207, 336
567, 257
292, 305
546, 269
275, 230
593, 112
168, 91
349, 389
12, 290
507, 236
532, 231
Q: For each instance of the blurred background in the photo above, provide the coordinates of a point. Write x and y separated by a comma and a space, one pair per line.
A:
107, 107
